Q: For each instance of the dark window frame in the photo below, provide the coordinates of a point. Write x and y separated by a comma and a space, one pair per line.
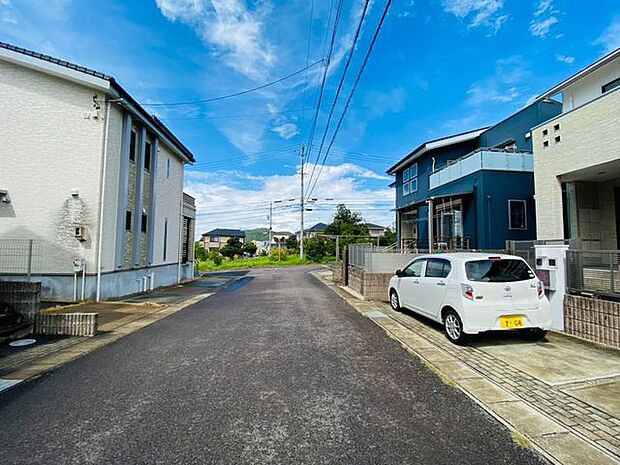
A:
444, 272
148, 150
128, 216
422, 261
133, 142
144, 223
510, 216
610, 85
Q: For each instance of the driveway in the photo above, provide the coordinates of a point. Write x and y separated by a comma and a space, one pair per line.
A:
276, 369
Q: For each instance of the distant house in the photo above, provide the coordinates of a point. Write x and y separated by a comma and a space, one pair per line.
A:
577, 159
471, 190
92, 179
217, 238
315, 230
375, 230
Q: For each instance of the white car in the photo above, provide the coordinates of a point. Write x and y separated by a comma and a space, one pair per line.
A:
473, 292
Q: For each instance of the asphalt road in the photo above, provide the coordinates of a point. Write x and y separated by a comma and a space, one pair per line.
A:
274, 369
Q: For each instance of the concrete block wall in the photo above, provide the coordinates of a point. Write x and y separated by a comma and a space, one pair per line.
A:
376, 286
356, 279
592, 319
21, 297
66, 324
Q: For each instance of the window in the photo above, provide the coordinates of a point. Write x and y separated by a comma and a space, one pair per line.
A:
546, 143
517, 214
437, 268
556, 127
414, 270
215, 238
168, 168
557, 139
545, 132
610, 85
127, 220
410, 179
498, 271
132, 145
147, 156
143, 223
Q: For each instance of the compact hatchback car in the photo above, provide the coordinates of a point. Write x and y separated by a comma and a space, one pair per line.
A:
472, 292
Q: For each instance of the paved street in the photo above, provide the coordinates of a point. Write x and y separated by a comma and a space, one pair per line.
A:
274, 369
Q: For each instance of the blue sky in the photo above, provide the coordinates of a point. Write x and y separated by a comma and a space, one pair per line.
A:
439, 67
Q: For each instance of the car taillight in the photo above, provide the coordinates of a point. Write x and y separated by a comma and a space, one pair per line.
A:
468, 291
541, 290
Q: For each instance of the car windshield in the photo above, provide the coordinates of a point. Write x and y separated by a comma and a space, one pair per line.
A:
498, 271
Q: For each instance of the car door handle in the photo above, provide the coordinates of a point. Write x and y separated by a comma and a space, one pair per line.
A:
441, 283
415, 281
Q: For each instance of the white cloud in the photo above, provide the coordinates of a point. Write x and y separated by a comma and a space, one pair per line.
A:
545, 16
224, 200
503, 87
286, 131
610, 38
569, 60
484, 13
234, 33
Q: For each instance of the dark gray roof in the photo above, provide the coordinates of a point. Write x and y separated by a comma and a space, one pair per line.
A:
113, 83
375, 226
225, 232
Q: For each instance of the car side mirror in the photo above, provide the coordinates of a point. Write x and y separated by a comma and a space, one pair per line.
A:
399, 273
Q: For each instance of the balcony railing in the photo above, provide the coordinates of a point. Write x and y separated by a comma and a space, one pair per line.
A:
483, 159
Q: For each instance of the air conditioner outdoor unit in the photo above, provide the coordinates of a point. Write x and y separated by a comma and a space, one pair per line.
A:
81, 233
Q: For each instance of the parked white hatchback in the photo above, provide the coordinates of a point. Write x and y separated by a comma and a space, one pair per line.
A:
473, 292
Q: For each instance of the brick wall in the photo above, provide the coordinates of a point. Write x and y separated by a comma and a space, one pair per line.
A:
21, 297
593, 319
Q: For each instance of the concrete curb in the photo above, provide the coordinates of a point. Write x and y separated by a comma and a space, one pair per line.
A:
64, 356
553, 441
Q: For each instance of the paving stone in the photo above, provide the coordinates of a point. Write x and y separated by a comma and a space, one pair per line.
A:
571, 450
526, 419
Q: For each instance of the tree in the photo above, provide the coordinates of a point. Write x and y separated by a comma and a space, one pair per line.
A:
200, 253
388, 238
347, 223
250, 249
316, 248
291, 243
233, 247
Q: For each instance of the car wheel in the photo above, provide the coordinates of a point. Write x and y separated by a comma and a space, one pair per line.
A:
534, 334
394, 302
453, 327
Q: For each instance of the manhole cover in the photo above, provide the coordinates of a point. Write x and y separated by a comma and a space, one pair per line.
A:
22, 342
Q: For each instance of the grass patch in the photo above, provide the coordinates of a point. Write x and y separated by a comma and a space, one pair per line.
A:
256, 262
521, 440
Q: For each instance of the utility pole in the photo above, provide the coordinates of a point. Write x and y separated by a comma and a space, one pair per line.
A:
301, 231
270, 226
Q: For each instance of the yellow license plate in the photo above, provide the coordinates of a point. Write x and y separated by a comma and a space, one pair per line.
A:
511, 322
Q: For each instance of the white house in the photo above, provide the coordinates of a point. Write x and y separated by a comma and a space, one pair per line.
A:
577, 159
92, 178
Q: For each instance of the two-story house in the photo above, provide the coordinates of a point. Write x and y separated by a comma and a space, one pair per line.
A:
218, 237
472, 190
577, 159
92, 179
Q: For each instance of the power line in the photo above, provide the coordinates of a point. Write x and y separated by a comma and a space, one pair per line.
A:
236, 94
340, 84
355, 84
324, 78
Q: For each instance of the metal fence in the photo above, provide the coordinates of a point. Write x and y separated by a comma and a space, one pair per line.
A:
357, 254
593, 271
20, 256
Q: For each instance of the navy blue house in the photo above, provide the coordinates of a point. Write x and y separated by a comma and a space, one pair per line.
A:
473, 190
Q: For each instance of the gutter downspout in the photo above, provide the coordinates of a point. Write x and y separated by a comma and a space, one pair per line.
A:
180, 251
104, 162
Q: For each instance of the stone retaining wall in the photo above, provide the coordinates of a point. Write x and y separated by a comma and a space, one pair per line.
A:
66, 324
21, 297
372, 286
592, 319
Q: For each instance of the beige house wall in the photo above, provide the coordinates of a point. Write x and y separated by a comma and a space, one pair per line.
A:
589, 136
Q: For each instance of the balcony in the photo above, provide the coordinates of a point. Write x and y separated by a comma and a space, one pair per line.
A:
483, 159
